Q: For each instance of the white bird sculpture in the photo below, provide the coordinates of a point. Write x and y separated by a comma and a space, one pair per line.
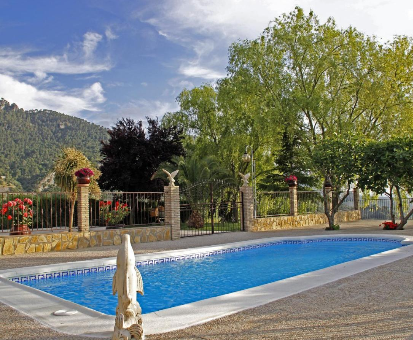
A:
126, 282
245, 178
171, 177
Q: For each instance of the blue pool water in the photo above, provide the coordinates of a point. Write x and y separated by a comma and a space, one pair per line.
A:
176, 283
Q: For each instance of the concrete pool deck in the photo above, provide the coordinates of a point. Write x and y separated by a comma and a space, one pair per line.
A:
375, 304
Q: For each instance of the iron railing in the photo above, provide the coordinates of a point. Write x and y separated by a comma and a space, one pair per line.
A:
274, 203
310, 202
50, 210
130, 208
277, 203
379, 208
210, 217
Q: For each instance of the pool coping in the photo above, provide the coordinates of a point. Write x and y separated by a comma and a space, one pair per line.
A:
88, 322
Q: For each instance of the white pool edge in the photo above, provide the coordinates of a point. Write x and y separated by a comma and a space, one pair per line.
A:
88, 322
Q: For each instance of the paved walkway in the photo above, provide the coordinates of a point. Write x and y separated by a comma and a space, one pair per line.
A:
376, 304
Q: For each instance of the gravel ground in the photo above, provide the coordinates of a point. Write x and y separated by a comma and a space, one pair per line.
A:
375, 304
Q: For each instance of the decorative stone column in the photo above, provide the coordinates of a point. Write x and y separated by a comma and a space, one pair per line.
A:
293, 200
172, 211
356, 198
247, 215
83, 207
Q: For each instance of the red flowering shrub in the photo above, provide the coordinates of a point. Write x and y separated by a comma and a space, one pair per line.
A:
19, 211
113, 213
389, 225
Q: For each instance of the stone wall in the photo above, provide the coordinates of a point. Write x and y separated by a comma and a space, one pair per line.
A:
291, 222
37, 243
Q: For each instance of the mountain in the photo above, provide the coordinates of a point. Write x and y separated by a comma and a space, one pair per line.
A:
31, 140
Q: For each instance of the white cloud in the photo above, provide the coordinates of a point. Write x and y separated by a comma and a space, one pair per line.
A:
29, 97
40, 78
90, 43
141, 108
94, 94
208, 27
231, 20
144, 84
12, 62
110, 35
196, 71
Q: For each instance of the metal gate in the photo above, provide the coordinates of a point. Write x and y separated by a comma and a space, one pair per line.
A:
210, 207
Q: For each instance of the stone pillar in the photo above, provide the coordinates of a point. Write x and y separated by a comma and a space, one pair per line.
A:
247, 214
293, 200
356, 197
83, 207
172, 211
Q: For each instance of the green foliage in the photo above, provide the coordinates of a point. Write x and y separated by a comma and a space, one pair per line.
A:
300, 82
388, 168
194, 169
31, 140
68, 162
387, 163
337, 159
333, 227
113, 213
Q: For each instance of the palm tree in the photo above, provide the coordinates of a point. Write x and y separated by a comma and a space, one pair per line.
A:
65, 166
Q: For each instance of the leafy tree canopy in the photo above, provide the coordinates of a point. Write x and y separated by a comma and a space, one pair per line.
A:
388, 166
132, 155
67, 163
307, 78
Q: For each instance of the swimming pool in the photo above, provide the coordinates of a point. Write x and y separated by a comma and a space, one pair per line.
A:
93, 323
180, 281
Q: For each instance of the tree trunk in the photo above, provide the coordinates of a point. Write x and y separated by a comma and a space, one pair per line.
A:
392, 215
330, 219
328, 209
403, 219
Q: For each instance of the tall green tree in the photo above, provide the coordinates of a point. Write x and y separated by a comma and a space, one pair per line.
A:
322, 79
132, 155
67, 163
337, 160
388, 168
212, 129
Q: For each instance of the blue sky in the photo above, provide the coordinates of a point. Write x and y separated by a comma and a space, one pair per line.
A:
106, 59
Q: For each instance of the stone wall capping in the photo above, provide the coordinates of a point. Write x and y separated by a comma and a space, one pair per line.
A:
291, 222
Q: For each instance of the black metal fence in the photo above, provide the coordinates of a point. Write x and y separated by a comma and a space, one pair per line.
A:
51, 210
210, 207
379, 208
128, 208
277, 203
273, 203
48, 210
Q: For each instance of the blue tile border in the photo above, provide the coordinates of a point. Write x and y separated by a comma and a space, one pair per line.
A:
101, 268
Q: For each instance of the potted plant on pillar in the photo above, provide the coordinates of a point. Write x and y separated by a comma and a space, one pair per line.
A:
20, 213
291, 181
83, 175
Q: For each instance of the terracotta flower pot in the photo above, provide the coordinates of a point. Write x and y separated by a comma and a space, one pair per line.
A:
292, 183
21, 229
83, 180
